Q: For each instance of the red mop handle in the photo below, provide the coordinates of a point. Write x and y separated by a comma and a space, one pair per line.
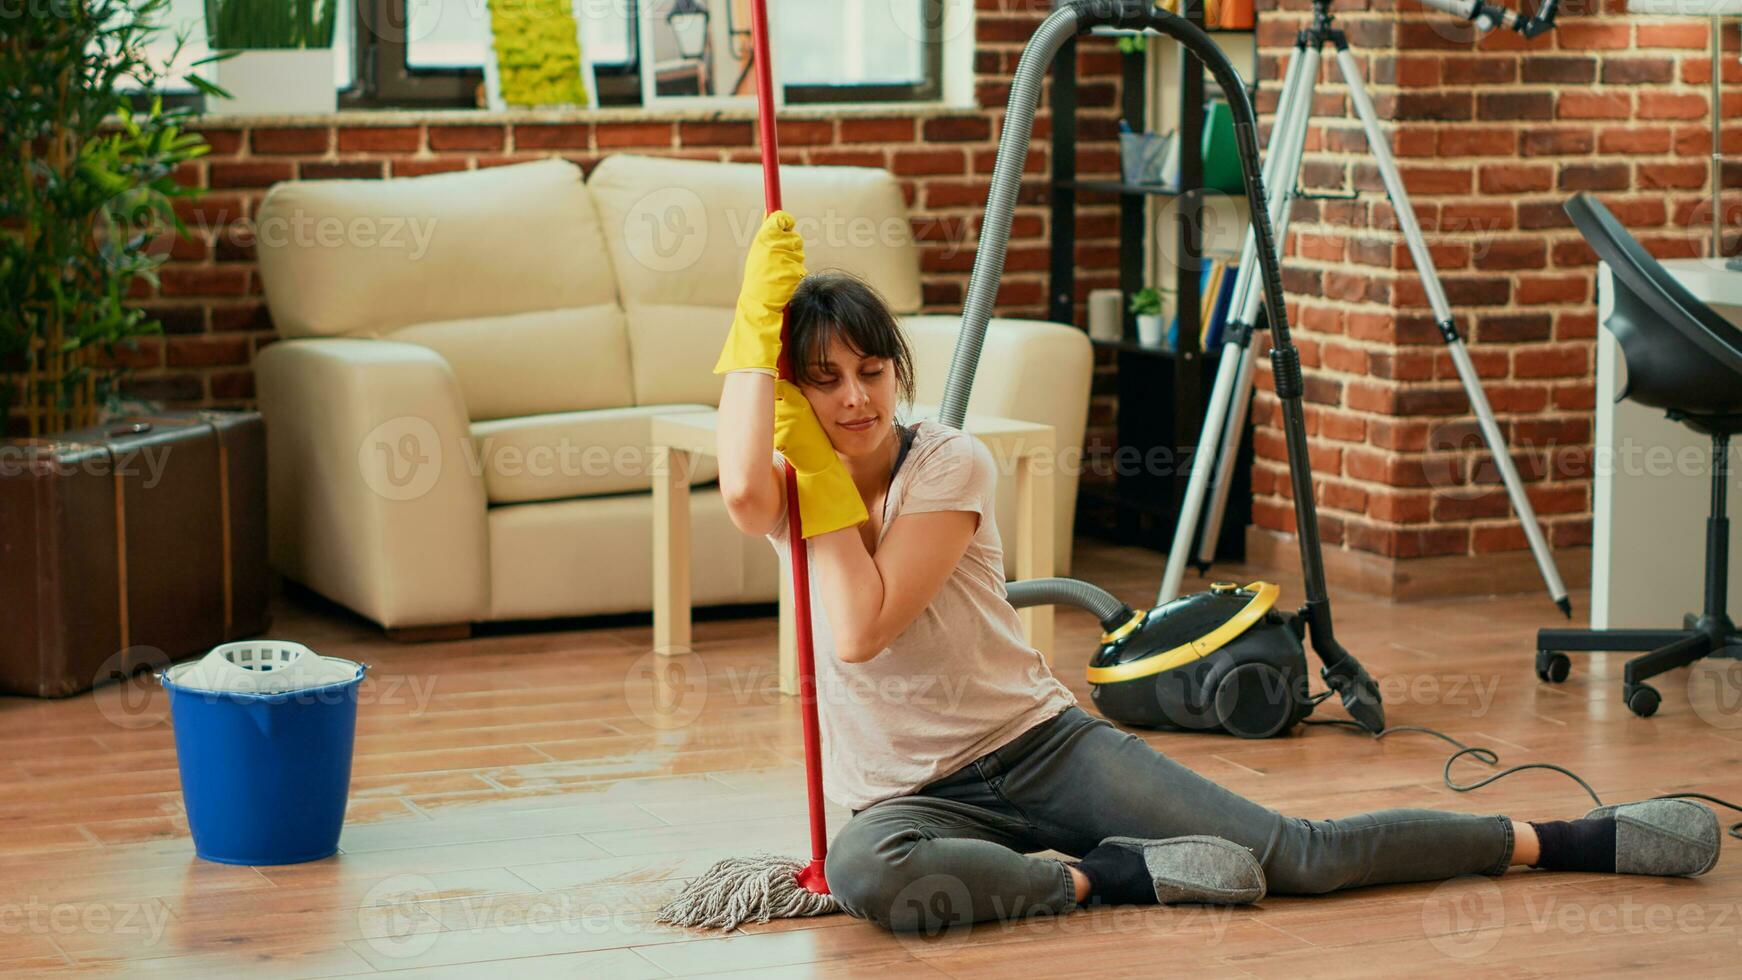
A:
811, 878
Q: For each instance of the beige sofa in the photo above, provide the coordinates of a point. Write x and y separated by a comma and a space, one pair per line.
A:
458, 412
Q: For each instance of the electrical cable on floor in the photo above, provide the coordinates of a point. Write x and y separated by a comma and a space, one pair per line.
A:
1490, 757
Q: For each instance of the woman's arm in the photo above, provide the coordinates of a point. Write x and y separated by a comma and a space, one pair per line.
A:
871, 600
750, 482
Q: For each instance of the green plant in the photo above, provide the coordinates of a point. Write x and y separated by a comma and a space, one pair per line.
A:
1146, 302
1131, 43
87, 192
250, 24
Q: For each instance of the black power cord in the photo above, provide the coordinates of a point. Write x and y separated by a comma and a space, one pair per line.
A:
1490, 757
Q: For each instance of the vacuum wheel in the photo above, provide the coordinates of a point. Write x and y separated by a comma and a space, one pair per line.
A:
1552, 667
1642, 699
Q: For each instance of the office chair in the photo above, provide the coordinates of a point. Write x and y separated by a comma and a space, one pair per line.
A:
1687, 360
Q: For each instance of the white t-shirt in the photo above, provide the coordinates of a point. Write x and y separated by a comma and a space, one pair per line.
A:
960, 681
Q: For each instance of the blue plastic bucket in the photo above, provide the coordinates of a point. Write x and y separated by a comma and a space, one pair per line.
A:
265, 777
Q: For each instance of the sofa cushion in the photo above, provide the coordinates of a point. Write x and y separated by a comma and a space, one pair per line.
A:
574, 454
678, 230
672, 350
533, 363
365, 257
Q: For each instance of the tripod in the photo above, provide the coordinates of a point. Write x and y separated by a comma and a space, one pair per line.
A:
1225, 416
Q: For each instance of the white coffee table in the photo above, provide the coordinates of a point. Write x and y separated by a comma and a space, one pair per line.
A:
679, 438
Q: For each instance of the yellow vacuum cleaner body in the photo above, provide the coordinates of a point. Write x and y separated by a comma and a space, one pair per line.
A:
1225, 660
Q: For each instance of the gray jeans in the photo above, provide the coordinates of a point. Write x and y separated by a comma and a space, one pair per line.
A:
956, 851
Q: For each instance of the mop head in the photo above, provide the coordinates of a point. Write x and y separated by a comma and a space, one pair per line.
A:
739, 890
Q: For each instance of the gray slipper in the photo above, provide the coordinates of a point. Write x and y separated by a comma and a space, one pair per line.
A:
1663, 837
1200, 870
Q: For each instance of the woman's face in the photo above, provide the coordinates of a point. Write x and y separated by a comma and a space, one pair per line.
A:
854, 399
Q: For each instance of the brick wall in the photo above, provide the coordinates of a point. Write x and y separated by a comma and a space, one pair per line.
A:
211, 304
1491, 137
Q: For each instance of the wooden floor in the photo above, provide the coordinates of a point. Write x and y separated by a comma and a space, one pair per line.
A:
528, 798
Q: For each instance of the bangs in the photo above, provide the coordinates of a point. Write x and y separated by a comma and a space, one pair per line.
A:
830, 306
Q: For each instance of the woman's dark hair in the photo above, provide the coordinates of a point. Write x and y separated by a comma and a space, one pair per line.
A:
827, 305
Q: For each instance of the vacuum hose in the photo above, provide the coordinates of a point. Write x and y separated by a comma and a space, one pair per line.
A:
1360, 695
1068, 591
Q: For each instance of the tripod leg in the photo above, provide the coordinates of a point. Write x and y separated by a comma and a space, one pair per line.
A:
1436, 296
1291, 127
1234, 352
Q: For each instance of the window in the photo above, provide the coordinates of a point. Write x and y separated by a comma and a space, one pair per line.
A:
430, 53
189, 16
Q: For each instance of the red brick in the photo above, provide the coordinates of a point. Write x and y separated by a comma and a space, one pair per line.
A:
609, 136
1631, 140
204, 280
1555, 142
221, 350
1681, 34
1533, 290
1464, 142
805, 132
380, 139
342, 170
1671, 176
1551, 362
912, 163
1603, 35
465, 138
552, 136
418, 168
1515, 105
850, 158
1515, 178
1512, 254
1670, 105
249, 173
224, 141
306, 141
232, 385
1594, 177
1594, 105
957, 129
881, 130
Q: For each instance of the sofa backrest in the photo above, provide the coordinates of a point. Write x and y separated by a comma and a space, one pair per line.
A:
362, 258
678, 231
503, 271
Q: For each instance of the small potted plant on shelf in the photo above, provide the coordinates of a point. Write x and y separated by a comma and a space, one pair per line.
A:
1146, 306
273, 56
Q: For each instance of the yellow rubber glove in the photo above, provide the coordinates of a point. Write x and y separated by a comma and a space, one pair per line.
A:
772, 272
828, 500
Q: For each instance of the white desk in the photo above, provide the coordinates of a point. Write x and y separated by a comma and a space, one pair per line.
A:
1651, 485
676, 438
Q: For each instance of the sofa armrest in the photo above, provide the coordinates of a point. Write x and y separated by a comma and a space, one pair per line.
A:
1033, 370
372, 493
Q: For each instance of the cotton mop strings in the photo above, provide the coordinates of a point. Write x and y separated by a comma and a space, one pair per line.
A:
768, 886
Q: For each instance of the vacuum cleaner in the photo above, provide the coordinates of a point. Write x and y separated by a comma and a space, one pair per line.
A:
1227, 660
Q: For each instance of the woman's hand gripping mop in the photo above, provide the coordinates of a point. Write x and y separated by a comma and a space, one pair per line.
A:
768, 886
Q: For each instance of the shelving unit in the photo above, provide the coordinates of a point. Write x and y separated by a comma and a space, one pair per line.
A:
1161, 392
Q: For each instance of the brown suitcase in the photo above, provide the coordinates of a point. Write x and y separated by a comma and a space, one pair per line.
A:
129, 545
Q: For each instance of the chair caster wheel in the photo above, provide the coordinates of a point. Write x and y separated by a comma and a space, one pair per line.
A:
1642, 699
1552, 667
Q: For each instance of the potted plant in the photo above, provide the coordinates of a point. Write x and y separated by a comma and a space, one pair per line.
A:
1146, 306
273, 56
87, 192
